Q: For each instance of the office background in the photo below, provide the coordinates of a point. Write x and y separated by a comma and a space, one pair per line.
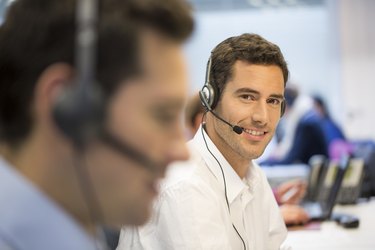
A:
329, 45
330, 48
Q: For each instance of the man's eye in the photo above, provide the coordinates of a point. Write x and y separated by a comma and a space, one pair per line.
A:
248, 97
274, 101
165, 118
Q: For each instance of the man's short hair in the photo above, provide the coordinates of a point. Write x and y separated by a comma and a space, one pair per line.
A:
39, 33
250, 48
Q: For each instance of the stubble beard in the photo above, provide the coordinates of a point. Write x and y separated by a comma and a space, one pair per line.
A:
236, 143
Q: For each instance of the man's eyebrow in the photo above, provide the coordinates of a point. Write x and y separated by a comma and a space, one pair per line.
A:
169, 104
249, 90
246, 90
277, 96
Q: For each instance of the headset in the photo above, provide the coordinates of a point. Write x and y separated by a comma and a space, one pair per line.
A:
210, 95
209, 98
79, 111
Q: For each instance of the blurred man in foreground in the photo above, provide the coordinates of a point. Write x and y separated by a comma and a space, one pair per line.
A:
76, 113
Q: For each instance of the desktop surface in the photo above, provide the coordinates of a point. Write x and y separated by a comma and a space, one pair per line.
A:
332, 236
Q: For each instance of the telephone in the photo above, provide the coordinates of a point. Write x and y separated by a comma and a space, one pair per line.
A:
352, 183
323, 173
318, 168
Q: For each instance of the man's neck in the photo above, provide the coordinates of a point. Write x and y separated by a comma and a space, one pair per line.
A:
239, 164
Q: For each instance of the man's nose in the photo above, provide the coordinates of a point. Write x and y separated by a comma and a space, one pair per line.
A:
260, 113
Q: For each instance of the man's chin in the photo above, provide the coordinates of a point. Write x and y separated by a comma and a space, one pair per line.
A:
141, 220
255, 154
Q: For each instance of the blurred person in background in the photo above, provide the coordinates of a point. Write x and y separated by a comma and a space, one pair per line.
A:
300, 133
61, 176
288, 195
334, 136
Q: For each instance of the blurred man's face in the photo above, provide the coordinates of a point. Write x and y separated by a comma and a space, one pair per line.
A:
252, 100
145, 113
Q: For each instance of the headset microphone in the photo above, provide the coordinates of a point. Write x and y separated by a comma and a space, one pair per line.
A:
236, 129
125, 149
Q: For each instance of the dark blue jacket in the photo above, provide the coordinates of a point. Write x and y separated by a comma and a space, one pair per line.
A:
309, 140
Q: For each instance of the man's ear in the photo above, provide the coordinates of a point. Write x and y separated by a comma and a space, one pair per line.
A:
50, 84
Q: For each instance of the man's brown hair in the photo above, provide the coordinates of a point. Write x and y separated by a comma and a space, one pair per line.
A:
250, 48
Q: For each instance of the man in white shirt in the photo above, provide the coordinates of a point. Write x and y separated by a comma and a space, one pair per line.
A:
220, 199
75, 116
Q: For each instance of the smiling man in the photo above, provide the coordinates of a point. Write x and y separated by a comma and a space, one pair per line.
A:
220, 199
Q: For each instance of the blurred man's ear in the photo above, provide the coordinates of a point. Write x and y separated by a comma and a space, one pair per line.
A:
48, 87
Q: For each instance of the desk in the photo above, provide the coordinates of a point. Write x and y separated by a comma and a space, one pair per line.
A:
332, 236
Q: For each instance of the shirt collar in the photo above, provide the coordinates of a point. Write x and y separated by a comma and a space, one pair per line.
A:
203, 145
31, 220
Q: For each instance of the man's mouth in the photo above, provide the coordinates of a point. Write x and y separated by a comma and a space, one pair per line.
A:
254, 132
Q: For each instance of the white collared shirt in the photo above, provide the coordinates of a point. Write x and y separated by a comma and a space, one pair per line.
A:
191, 212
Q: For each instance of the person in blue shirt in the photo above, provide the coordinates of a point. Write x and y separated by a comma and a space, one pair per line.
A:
91, 98
308, 138
332, 132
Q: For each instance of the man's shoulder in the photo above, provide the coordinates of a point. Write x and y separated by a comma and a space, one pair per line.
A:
190, 181
4, 245
186, 178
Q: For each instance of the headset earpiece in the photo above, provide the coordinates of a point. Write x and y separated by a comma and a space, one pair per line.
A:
79, 114
209, 92
207, 96
79, 111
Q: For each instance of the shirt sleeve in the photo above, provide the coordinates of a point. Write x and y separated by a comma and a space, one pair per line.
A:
187, 217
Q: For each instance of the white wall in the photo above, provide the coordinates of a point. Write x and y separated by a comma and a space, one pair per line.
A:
357, 36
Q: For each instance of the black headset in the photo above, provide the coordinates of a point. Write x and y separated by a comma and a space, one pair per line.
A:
79, 110
210, 93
